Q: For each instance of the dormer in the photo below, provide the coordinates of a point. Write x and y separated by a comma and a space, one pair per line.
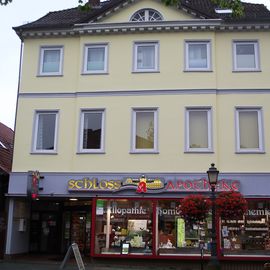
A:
146, 15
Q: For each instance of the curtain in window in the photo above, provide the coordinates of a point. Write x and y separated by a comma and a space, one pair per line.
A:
92, 129
197, 55
245, 54
51, 61
95, 58
146, 57
198, 129
145, 130
46, 132
249, 129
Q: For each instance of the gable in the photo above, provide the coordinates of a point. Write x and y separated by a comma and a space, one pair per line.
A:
125, 13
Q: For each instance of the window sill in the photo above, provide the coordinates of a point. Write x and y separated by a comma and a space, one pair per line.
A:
90, 152
144, 152
44, 153
246, 70
198, 70
250, 152
145, 71
95, 73
49, 75
198, 151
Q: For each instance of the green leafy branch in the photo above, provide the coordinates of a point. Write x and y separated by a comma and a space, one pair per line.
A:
5, 2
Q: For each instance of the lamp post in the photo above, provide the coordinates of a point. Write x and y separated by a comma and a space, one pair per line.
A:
213, 178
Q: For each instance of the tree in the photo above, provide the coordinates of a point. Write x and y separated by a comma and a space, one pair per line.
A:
235, 5
5, 2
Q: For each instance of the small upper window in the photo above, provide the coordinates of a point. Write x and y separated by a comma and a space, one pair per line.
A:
145, 15
197, 56
96, 58
51, 59
246, 56
146, 57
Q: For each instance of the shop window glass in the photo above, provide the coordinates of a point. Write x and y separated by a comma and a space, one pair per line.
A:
177, 236
249, 235
123, 227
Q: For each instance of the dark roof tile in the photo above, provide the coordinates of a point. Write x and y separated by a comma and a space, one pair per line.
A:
67, 18
6, 138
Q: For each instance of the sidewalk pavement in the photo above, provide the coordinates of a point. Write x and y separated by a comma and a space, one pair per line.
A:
47, 265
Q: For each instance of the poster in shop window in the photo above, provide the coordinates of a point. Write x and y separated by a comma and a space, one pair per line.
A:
100, 207
180, 232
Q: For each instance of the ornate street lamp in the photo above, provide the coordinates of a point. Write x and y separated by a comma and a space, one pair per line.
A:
213, 178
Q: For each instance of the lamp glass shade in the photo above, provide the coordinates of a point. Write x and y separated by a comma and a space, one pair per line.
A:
213, 175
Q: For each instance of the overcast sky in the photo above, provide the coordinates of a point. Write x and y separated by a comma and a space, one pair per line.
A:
17, 13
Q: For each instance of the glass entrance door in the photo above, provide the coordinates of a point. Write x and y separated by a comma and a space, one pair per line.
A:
49, 238
77, 226
44, 233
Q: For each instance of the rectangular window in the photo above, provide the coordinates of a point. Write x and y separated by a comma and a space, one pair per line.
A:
92, 131
177, 236
51, 61
146, 57
246, 56
249, 128
45, 132
144, 138
198, 129
124, 227
249, 234
96, 58
197, 56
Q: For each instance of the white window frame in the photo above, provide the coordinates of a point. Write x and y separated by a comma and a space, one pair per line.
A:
208, 51
102, 142
135, 56
255, 43
41, 60
260, 149
209, 130
146, 15
36, 121
133, 131
94, 45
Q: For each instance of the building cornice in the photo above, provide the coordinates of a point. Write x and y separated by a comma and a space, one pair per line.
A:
205, 25
144, 93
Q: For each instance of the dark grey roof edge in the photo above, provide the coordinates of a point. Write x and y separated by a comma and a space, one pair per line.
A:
200, 8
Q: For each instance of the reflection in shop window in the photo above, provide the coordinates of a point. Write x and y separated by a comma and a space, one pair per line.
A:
121, 224
250, 234
175, 235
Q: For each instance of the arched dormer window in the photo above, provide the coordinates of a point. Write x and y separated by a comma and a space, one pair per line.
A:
146, 15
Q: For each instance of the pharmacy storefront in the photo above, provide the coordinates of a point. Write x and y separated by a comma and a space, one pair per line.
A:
138, 216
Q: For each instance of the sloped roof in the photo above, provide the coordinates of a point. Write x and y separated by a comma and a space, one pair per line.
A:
201, 8
6, 148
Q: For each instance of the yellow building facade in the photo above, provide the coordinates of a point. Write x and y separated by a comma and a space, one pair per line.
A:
138, 90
